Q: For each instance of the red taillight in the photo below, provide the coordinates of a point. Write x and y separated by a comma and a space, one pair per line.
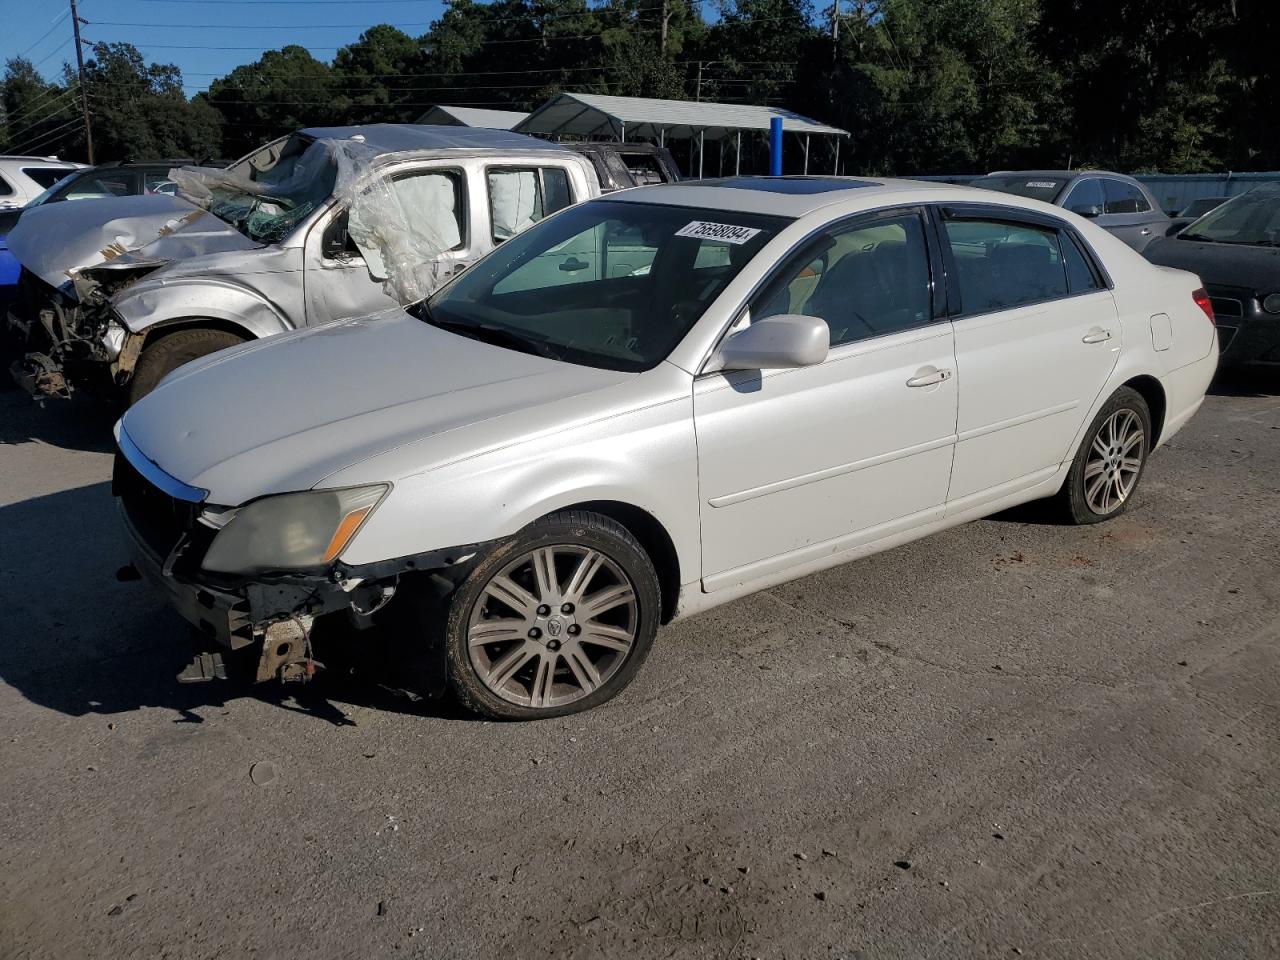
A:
1201, 297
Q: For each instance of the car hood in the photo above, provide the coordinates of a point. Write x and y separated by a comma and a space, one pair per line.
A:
56, 240
1220, 264
284, 413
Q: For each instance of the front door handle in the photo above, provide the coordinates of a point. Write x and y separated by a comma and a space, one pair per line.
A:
928, 376
1096, 336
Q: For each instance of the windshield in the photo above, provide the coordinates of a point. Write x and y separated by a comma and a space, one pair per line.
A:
1251, 218
265, 195
605, 284
1035, 186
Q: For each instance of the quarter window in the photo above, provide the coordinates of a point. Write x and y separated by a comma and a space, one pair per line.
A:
867, 280
1000, 266
520, 197
1124, 197
46, 176
1080, 276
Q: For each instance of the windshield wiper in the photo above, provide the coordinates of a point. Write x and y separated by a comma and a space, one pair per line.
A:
487, 333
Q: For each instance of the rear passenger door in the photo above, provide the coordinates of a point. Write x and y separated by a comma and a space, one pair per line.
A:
1127, 213
1036, 337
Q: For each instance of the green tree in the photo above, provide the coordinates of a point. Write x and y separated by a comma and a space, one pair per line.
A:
35, 112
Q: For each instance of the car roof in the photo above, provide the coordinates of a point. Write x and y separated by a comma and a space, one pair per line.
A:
41, 161
1059, 174
779, 196
398, 137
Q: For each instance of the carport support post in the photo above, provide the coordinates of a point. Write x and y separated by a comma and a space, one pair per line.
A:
806, 154
775, 146
737, 162
702, 149
835, 169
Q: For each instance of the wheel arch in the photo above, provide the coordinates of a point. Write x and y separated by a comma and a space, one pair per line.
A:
653, 536
159, 331
1151, 390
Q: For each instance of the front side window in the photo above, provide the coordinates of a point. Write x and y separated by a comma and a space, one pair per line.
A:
1002, 265
411, 220
1086, 197
99, 186
1124, 197
520, 197
865, 280
605, 284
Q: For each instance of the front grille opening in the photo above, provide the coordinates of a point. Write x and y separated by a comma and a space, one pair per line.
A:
161, 520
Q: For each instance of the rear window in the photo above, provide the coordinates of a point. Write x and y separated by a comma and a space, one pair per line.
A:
46, 176
1024, 185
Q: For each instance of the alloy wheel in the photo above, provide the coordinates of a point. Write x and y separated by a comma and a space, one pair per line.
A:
553, 626
1115, 461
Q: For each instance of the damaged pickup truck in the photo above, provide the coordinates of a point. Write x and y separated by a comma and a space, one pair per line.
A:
325, 224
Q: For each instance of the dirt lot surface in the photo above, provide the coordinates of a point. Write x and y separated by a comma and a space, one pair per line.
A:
1013, 739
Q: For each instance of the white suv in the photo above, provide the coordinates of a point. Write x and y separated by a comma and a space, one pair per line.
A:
22, 179
650, 404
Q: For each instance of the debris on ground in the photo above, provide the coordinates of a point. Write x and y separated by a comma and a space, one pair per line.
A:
263, 772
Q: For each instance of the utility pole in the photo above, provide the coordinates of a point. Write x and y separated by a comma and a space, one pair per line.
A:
666, 20
697, 91
84, 93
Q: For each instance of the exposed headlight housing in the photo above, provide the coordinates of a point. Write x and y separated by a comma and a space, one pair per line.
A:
1271, 303
291, 531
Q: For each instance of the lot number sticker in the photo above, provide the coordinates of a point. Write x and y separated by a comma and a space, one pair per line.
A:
727, 232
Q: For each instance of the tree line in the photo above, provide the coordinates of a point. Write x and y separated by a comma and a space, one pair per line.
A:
924, 86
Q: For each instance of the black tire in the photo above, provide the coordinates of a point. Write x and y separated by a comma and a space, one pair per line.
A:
568, 531
165, 355
1074, 500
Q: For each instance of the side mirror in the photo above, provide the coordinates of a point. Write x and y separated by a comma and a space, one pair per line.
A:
784, 341
1087, 210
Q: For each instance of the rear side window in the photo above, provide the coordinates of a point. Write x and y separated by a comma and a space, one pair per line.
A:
45, 176
1000, 266
521, 196
6, 189
1122, 197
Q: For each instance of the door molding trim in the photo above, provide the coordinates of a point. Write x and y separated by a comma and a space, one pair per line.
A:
1016, 421
729, 499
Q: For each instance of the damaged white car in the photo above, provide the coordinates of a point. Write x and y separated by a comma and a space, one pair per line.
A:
645, 406
329, 223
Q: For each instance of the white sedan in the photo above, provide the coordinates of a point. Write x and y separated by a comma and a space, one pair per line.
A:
648, 405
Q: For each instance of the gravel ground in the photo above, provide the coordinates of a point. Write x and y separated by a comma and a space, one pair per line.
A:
1011, 739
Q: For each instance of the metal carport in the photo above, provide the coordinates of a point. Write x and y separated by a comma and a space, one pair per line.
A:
444, 115
591, 115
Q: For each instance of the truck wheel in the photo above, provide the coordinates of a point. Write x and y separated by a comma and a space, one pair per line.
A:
555, 620
170, 352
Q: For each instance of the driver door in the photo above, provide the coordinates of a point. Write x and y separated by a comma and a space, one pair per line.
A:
343, 280
798, 464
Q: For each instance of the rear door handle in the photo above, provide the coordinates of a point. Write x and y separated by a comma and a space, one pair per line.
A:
1096, 336
928, 377
1145, 231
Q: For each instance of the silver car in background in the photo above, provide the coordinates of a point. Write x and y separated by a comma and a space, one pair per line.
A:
1120, 205
328, 223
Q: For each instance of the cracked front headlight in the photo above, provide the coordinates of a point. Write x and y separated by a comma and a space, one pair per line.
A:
292, 531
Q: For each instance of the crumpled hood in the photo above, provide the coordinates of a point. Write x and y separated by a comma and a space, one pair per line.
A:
284, 413
1220, 264
55, 240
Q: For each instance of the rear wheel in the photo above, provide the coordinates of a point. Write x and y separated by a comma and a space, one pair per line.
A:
1110, 461
556, 620
165, 355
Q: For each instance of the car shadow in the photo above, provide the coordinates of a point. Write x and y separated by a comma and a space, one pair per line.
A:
81, 423
87, 641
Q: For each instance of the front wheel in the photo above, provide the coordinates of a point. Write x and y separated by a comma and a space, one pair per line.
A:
167, 354
1110, 461
556, 620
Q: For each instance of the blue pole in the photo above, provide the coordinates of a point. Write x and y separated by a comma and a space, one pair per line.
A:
775, 146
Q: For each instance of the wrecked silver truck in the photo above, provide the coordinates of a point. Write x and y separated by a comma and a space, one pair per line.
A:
325, 224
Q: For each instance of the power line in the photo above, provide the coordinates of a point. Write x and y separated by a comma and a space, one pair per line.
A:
45, 138
56, 23
55, 50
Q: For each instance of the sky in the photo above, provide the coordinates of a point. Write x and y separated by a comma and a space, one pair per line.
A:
206, 39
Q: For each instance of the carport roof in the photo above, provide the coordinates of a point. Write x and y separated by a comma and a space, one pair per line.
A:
472, 117
590, 114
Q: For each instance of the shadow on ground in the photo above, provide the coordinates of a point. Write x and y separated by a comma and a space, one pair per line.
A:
85, 642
